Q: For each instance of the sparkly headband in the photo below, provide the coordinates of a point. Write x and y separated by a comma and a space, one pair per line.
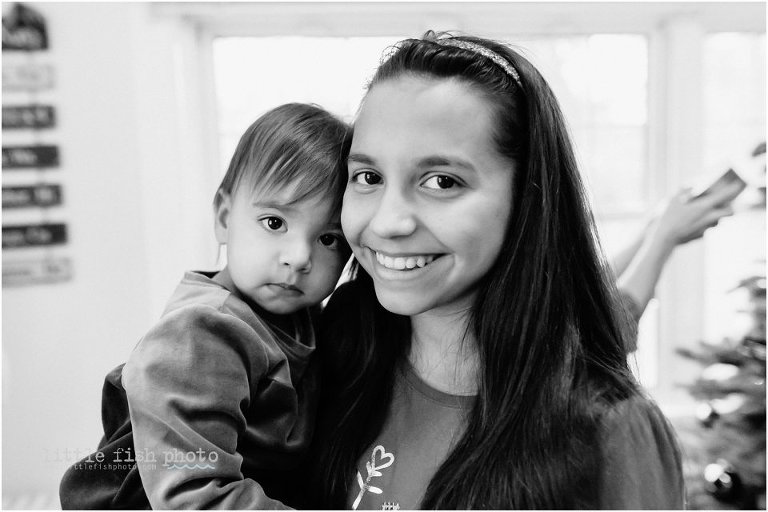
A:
485, 52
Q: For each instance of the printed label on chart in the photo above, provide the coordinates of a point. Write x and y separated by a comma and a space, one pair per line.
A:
31, 196
30, 157
29, 77
41, 271
34, 235
28, 116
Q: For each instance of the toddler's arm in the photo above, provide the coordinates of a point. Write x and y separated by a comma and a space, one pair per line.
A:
188, 383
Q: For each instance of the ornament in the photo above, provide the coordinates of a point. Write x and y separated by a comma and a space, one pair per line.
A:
731, 403
706, 414
720, 372
722, 481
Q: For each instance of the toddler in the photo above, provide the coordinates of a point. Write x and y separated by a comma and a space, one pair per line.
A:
215, 406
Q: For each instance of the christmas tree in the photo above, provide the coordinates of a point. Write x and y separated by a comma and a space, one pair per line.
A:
725, 449
729, 470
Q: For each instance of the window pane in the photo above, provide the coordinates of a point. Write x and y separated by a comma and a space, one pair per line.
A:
735, 103
255, 74
601, 82
734, 95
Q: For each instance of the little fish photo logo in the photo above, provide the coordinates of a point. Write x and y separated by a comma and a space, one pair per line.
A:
120, 459
200, 459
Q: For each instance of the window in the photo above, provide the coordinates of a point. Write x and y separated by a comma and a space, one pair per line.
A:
601, 82
734, 124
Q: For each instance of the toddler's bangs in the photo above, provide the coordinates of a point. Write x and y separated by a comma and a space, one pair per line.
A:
294, 146
307, 176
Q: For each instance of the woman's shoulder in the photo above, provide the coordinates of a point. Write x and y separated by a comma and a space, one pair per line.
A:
641, 465
634, 415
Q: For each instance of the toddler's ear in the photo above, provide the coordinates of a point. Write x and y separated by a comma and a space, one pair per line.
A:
222, 206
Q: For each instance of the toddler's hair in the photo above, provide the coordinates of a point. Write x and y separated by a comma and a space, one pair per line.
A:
298, 144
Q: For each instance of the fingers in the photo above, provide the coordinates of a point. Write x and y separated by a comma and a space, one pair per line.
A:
706, 221
724, 194
686, 218
724, 211
713, 217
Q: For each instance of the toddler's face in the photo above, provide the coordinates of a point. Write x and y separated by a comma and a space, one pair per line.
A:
284, 256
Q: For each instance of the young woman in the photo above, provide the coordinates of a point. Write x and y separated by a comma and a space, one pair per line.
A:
477, 357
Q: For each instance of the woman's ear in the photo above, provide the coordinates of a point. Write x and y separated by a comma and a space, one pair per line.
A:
222, 206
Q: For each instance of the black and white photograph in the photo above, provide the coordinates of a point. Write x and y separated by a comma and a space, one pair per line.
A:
384, 255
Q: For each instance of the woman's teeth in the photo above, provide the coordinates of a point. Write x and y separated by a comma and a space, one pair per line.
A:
408, 263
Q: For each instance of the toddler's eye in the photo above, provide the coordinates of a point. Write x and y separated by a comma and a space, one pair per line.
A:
331, 241
366, 178
272, 223
440, 182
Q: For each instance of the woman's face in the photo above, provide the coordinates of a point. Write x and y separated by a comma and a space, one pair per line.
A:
428, 197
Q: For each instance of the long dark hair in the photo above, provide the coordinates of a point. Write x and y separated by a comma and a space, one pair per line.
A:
546, 320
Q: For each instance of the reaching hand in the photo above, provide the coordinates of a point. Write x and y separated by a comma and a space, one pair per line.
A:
680, 219
683, 218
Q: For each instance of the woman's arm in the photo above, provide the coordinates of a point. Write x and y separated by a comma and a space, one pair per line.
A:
682, 219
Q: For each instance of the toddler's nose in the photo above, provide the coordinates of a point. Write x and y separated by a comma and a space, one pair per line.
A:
298, 256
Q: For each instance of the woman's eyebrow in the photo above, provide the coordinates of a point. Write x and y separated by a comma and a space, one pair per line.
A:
360, 158
443, 161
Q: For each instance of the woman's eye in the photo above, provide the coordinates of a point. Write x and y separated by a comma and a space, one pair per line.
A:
366, 178
331, 241
440, 182
272, 223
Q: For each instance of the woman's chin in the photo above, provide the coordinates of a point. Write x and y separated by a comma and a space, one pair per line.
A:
406, 304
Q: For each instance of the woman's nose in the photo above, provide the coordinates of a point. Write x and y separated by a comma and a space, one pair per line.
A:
298, 256
393, 216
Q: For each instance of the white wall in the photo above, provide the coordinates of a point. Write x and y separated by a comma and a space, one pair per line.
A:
136, 203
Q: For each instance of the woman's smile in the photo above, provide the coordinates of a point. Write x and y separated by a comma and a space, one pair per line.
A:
388, 270
405, 262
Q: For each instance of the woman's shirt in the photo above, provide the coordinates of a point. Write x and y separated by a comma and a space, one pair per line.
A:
422, 426
640, 464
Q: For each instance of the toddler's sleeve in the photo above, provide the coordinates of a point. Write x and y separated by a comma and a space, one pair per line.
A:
641, 464
188, 382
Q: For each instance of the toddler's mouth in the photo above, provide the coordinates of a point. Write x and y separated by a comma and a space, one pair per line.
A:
287, 287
